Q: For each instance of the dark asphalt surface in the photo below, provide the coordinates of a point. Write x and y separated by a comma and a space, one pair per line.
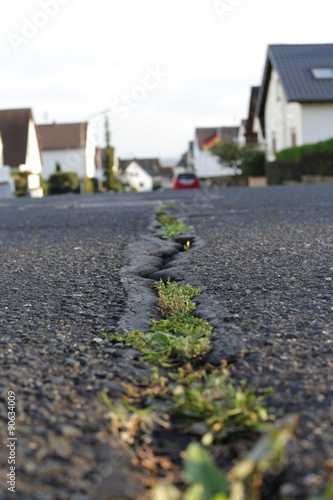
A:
268, 262
266, 270
60, 289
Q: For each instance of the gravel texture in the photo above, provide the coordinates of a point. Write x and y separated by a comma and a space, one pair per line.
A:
263, 258
267, 262
60, 290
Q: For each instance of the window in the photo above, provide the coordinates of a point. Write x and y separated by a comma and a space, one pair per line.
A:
293, 138
322, 73
274, 144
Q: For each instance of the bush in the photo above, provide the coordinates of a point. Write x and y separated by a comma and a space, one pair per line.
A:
21, 183
63, 182
295, 154
254, 161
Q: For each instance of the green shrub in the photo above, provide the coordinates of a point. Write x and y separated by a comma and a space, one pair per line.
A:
295, 154
21, 183
254, 161
273, 174
63, 182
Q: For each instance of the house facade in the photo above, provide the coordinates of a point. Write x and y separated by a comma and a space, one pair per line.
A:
21, 148
140, 174
295, 101
7, 184
1, 152
69, 145
205, 163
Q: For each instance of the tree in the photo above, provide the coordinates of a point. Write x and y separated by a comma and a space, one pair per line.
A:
249, 158
229, 154
111, 182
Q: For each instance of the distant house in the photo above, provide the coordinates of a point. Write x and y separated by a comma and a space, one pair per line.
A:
71, 145
7, 184
21, 149
166, 174
295, 101
205, 163
140, 174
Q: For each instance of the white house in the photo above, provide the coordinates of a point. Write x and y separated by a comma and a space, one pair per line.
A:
139, 174
295, 101
7, 184
71, 145
205, 163
21, 149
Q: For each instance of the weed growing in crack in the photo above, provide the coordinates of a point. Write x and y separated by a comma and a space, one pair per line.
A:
128, 421
174, 298
172, 227
211, 398
244, 481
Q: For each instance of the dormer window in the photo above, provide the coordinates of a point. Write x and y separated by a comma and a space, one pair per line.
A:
322, 73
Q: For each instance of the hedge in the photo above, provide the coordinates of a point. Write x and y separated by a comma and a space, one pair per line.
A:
295, 154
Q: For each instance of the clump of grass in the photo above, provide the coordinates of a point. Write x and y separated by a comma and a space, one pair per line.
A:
179, 338
159, 346
172, 227
211, 398
174, 298
129, 422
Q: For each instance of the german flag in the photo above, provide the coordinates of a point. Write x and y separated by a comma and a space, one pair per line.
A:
211, 141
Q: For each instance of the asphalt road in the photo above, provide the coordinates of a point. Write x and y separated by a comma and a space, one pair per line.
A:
265, 266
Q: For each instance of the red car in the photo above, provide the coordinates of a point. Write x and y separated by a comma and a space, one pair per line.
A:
186, 180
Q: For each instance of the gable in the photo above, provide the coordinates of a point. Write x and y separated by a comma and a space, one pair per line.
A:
136, 169
150, 165
63, 135
294, 65
225, 134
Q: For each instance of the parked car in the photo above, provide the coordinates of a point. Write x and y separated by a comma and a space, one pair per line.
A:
186, 180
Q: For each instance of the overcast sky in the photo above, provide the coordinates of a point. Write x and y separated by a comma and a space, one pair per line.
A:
161, 67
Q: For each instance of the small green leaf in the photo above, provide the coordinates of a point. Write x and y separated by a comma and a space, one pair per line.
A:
200, 468
165, 492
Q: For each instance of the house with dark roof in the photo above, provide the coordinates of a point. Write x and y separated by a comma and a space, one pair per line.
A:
295, 100
205, 163
7, 183
21, 148
140, 174
71, 145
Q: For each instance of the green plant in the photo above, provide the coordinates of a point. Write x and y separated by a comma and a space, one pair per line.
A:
253, 160
174, 298
208, 482
295, 154
172, 227
228, 153
63, 182
128, 422
21, 183
167, 349
210, 397
111, 182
